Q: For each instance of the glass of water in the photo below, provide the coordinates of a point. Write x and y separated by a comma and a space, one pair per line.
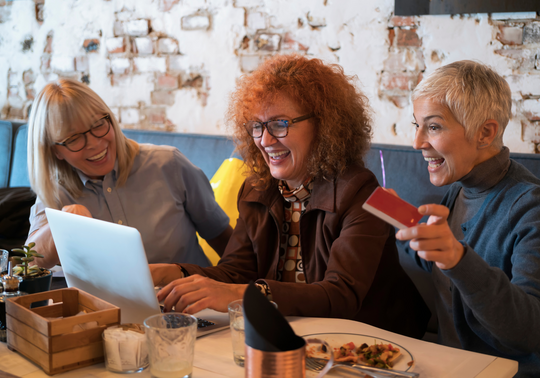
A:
236, 316
238, 334
171, 343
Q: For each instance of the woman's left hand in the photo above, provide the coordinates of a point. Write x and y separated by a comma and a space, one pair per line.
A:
434, 241
199, 293
162, 274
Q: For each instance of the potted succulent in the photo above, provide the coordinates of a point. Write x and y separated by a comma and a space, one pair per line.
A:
34, 279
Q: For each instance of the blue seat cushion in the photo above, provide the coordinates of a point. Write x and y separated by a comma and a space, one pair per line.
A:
5, 152
530, 161
205, 151
405, 171
19, 167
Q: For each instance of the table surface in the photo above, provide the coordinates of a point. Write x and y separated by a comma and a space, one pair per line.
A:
213, 356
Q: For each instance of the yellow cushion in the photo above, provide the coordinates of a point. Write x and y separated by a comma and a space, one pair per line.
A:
226, 183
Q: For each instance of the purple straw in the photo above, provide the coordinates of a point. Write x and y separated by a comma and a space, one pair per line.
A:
382, 168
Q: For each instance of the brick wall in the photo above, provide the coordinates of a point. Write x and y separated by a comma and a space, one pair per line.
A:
521, 47
170, 65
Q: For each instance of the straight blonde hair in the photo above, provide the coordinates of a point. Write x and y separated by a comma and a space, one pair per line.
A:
473, 92
59, 106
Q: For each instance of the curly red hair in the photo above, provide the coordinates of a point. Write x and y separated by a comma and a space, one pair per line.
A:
342, 114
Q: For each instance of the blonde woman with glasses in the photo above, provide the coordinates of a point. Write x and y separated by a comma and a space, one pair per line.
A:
79, 161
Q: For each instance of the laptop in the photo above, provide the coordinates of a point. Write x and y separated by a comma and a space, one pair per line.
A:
108, 261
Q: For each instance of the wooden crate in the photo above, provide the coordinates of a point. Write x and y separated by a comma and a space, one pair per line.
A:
46, 335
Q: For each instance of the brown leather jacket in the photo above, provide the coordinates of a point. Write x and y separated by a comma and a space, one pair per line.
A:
350, 258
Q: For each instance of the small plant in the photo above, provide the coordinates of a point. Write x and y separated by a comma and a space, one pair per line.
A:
29, 255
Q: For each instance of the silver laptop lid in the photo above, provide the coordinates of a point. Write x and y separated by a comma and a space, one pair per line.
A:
106, 260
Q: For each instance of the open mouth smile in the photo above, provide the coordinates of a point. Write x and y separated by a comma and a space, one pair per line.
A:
434, 162
278, 155
99, 156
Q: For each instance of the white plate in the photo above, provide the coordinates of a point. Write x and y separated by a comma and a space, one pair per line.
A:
335, 340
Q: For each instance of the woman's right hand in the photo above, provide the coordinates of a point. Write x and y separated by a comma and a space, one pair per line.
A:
196, 293
434, 240
77, 209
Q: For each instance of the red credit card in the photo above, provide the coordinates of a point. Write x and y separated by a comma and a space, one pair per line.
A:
392, 209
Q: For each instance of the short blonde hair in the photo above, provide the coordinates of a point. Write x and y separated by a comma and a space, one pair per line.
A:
57, 107
473, 92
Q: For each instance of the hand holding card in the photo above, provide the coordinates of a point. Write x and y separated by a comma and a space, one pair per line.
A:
392, 209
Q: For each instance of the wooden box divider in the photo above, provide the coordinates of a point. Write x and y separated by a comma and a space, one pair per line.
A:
46, 335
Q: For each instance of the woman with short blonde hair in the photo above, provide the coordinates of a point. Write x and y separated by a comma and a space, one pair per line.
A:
473, 93
482, 244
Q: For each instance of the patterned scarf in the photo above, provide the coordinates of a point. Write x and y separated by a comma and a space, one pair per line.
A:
302, 193
290, 268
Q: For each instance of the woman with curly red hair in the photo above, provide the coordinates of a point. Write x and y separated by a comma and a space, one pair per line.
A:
302, 128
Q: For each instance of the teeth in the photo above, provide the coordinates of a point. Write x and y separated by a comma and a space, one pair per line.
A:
277, 154
434, 162
98, 156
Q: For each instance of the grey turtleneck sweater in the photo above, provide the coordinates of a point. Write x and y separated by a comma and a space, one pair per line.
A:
490, 301
475, 187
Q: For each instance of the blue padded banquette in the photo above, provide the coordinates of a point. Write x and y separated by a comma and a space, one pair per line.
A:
6, 142
399, 167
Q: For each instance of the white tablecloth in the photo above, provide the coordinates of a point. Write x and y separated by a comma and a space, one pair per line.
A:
213, 356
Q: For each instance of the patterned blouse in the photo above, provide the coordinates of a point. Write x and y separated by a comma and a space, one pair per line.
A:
290, 267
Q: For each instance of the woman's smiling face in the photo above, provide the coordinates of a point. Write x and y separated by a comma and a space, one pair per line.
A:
286, 157
97, 158
450, 155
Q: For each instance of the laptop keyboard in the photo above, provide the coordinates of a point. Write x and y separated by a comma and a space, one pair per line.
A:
201, 323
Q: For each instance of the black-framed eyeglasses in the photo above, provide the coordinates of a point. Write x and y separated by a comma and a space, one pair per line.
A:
99, 129
278, 128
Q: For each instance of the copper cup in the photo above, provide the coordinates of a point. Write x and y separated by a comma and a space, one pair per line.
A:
289, 364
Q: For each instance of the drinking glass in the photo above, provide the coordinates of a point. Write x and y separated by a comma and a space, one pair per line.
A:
236, 316
125, 349
238, 335
171, 343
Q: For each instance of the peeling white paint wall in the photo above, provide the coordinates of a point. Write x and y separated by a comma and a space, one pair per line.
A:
218, 40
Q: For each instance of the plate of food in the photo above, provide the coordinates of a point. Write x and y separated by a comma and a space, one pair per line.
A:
361, 349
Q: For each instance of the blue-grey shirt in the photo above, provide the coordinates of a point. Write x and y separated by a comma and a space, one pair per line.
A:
166, 198
495, 288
